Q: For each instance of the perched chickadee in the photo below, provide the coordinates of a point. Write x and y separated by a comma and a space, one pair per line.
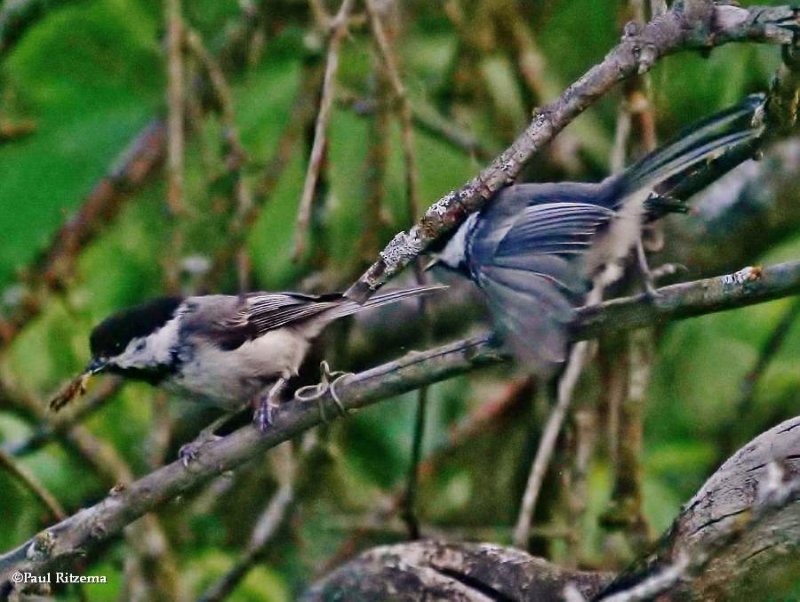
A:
536, 249
223, 350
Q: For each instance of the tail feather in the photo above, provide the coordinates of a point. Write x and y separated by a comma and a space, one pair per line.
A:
349, 306
740, 123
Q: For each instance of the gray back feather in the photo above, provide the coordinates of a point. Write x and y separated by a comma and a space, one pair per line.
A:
230, 321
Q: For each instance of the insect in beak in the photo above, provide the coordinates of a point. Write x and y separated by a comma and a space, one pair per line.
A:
77, 386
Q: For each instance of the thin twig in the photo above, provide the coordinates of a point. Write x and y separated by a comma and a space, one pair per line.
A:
14, 129
413, 203
52, 268
379, 149
566, 385
658, 583
102, 458
18, 16
629, 367
301, 115
48, 430
769, 350
483, 418
235, 154
409, 513
426, 119
176, 144
176, 108
537, 76
276, 513
266, 526
31, 483
128, 173
585, 421
742, 406
338, 31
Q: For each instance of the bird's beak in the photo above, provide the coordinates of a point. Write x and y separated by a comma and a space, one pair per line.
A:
95, 366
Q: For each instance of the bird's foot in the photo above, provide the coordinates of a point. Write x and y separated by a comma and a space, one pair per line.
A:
267, 404
327, 384
651, 277
189, 452
667, 269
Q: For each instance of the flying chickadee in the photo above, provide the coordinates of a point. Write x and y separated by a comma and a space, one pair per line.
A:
223, 350
536, 249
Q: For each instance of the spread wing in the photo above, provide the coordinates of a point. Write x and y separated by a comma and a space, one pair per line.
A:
562, 228
530, 314
533, 275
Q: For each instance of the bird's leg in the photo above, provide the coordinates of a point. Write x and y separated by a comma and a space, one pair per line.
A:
644, 270
651, 276
267, 403
188, 452
327, 383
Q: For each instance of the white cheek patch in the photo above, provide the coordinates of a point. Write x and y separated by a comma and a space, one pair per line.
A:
453, 253
151, 350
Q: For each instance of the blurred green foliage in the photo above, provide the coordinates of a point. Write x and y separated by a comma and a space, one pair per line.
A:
91, 74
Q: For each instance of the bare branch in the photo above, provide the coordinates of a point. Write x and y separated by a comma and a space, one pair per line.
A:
635, 54
688, 299
31, 483
566, 386
338, 31
99, 522
135, 165
176, 103
468, 572
133, 168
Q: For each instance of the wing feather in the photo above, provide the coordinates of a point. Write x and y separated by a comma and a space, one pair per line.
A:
529, 265
553, 228
536, 330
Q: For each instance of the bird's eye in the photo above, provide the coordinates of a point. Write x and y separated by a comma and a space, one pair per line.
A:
140, 346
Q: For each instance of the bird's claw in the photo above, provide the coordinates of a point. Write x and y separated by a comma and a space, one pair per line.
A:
651, 278
265, 413
667, 269
266, 405
326, 384
189, 452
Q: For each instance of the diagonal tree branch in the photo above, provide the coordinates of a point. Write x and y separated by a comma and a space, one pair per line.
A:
688, 299
86, 529
636, 53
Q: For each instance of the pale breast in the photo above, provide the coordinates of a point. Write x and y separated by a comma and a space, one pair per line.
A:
231, 379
